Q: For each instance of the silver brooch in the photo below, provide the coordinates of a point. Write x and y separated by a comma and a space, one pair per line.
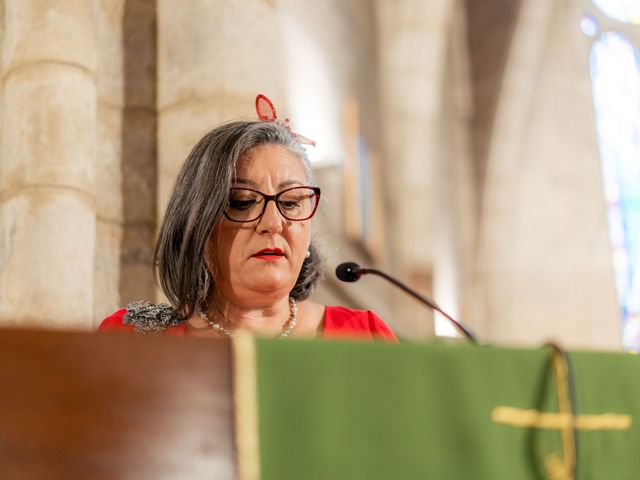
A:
149, 317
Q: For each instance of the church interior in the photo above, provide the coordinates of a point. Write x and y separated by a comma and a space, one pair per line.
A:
485, 153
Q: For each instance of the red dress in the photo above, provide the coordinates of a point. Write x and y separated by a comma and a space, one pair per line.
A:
339, 322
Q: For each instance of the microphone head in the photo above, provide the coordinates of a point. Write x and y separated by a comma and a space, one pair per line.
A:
348, 272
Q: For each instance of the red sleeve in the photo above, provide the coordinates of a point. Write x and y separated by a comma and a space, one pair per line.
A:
340, 322
379, 329
115, 323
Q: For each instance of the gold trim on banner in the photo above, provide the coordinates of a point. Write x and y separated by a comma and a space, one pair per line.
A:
246, 405
560, 369
519, 417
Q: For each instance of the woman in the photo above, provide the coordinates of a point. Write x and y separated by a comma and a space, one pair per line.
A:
235, 249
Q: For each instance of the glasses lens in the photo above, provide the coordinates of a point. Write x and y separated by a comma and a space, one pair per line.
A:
297, 203
244, 205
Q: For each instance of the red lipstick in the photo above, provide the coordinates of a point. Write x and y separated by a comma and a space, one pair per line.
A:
269, 254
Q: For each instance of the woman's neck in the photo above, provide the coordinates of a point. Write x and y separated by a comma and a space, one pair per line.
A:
268, 320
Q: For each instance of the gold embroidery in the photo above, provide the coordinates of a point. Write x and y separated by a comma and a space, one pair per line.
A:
518, 417
556, 469
560, 468
560, 370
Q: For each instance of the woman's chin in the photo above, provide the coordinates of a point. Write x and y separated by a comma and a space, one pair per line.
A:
271, 285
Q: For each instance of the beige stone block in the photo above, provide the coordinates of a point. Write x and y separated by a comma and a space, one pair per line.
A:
110, 51
217, 47
412, 15
181, 127
108, 172
412, 83
139, 166
136, 263
330, 214
49, 133
138, 243
136, 283
139, 39
106, 280
127, 53
45, 31
47, 239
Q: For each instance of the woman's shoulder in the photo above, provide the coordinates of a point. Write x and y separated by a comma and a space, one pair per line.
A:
348, 322
142, 317
115, 321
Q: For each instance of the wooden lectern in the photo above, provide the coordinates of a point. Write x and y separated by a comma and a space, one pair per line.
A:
114, 406
122, 406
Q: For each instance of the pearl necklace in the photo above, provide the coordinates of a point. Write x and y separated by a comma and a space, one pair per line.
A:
290, 324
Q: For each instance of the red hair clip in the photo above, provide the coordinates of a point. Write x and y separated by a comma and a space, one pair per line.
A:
267, 113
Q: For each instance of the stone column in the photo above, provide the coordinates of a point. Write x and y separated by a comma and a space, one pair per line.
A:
47, 199
109, 211
413, 36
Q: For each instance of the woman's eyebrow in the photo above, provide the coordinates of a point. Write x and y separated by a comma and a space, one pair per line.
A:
281, 185
288, 183
245, 181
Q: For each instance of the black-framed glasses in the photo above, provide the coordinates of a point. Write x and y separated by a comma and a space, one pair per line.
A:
295, 203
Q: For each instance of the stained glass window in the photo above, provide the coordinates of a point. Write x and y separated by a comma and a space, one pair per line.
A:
627, 11
615, 76
589, 26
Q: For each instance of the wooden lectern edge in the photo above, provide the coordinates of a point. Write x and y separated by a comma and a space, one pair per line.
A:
114, 405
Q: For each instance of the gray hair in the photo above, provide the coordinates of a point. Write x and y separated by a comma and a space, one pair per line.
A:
197, 203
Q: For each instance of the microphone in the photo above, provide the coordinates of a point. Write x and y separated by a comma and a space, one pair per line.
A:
348, 272
351, 272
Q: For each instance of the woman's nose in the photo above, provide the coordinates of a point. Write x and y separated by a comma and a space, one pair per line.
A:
271, 220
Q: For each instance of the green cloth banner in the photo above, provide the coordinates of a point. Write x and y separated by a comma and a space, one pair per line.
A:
358, 410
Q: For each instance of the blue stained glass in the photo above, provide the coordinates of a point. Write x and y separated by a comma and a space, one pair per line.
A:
589, 25
615, 77
627, 11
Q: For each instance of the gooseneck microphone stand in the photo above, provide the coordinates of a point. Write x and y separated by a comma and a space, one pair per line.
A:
351, 272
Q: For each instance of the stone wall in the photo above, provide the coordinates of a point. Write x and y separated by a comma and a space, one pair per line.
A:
488, 194
545, 266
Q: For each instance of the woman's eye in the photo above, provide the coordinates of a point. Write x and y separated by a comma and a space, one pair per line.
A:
241, 204
289, 204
